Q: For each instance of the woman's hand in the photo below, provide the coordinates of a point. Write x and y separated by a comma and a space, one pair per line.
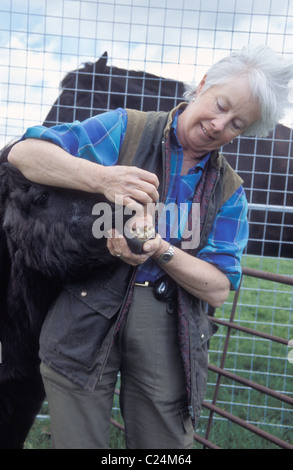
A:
139, 227
131, 185
118, 247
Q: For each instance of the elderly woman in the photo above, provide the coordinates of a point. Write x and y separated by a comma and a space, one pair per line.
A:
158, 299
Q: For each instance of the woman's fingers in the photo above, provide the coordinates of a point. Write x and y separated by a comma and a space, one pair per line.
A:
119, 248
132, 184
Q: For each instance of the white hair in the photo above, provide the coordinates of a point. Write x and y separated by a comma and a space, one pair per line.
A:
269, 75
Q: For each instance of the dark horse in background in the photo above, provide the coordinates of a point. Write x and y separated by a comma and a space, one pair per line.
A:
266, 165
97, 87
41, 246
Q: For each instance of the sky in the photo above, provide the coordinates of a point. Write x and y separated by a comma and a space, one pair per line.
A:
42, 40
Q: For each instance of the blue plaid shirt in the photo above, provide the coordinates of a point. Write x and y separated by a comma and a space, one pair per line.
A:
99, 139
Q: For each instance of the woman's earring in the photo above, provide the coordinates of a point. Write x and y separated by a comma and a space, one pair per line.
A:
193, 99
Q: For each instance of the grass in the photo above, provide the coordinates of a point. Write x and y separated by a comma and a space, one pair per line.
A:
39, 436
265, 306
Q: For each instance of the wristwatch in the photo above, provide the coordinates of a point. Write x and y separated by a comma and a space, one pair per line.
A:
166, 256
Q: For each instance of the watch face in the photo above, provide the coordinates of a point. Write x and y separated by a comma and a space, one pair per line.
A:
166, 257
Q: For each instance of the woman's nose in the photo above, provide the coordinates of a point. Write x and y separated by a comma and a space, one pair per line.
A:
219, 123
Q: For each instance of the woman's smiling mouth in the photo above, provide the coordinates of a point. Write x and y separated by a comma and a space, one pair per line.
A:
205, 131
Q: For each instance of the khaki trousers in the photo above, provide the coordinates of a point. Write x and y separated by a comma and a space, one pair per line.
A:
152, 395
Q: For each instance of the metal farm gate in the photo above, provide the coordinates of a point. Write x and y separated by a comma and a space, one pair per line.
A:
118, 49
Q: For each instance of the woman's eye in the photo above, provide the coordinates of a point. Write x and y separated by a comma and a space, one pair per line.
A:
236, 126
220, 106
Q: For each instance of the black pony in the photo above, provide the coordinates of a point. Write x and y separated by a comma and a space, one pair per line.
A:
46, 237
46, 240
